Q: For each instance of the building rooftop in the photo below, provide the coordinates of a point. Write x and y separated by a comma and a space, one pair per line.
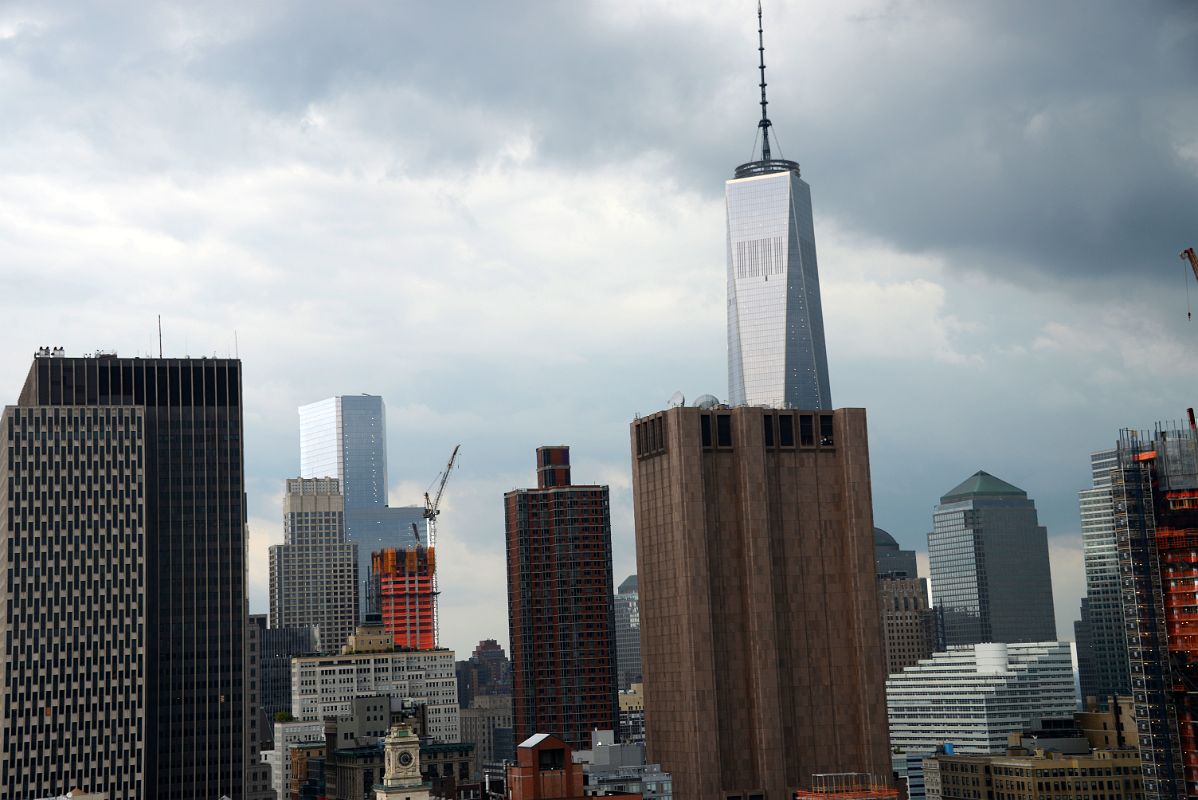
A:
980, 484
884, 539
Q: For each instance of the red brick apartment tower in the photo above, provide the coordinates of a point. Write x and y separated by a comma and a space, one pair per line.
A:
760, 641
560, 605
403, 580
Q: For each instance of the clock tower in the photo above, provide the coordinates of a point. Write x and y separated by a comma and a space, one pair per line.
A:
401, 759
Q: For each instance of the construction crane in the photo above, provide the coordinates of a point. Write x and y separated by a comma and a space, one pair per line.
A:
1189, 255
432, 508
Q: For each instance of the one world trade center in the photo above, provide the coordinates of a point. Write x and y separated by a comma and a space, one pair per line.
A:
776, 354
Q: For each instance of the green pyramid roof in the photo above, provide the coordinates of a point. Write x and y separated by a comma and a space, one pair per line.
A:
982, 484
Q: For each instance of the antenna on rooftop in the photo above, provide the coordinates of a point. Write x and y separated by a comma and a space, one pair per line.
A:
160, 336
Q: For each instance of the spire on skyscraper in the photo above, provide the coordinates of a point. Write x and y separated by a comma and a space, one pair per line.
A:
767, 163
765, 120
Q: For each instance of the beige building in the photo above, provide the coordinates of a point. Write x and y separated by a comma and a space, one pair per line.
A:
480, 721
1038, 775
325, 686
908, 625
761, 646
314, 573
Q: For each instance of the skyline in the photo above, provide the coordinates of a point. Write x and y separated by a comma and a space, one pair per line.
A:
392, 220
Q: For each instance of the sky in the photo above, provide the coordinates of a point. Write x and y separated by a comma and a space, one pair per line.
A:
507, 219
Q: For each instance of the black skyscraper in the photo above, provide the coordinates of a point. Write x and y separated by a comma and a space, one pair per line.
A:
125, 499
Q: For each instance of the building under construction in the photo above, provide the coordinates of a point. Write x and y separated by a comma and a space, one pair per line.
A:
1155, 496
847, 786
402, 591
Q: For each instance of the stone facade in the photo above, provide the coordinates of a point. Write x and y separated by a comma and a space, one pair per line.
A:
759, 611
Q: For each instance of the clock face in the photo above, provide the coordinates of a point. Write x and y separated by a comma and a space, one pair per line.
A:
405, 758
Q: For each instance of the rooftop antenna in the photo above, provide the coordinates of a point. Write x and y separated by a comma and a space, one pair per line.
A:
160, 336
765, 120
236, 349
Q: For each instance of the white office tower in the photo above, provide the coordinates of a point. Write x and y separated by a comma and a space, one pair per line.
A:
776, 353
972, 696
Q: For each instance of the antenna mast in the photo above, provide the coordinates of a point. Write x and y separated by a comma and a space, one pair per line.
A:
765, 120
160, 336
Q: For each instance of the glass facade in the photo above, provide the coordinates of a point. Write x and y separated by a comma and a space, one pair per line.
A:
345, 437
776, 353
988, 559
1101, 648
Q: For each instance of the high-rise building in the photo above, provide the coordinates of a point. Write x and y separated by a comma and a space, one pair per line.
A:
487, 672
988, 558
1101, 647
402, 595
560, 604
776, 353
314, 573
974, 696
345, 437
908, 624
628, 633
891, 561
760, 628
279, 646
1154, 492
124, 538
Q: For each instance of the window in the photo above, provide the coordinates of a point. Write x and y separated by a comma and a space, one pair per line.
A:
705, 429
768, 422
723, 430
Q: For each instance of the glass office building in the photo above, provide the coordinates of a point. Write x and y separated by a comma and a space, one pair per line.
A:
345, 437
1101, 646
776, 353
988, 559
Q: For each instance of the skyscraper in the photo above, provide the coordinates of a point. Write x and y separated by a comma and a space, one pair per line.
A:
1154, 492
560, 604
988, 558
760, 634
908, 624
1101, 646
628, 633
345, 437
124, 523
314, 573
776, 353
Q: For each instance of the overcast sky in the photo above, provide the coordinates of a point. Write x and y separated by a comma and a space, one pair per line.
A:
507, 219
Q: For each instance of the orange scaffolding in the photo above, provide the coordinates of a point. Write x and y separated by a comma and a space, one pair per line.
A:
407, 597
846, 786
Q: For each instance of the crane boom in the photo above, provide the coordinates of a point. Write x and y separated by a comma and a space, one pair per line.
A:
432, 508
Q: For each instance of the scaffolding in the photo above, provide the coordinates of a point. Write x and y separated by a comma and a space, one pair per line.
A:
402, 586
846, 786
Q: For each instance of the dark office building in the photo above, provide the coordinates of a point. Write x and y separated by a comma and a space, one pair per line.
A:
124, 523
279, 645
988, 559
891, 561
560, 605
487, 672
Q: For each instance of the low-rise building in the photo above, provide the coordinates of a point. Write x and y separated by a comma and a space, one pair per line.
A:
1037, 775
370, 664
287, 734
611, 768
974, 696
545, 769
488, 724
632, 714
